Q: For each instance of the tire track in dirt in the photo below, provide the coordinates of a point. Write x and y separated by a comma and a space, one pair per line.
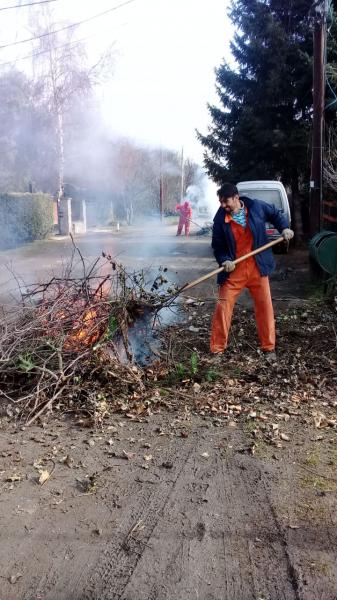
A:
214, 526
256, 543
117, 563
310, 545
217, 540
64, 581
294, 574
185, 559
209, 533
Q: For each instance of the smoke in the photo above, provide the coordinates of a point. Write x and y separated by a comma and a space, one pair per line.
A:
203, 198
193, 194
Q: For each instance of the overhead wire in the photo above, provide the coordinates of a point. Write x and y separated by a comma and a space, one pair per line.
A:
27, 4
36, 37
71, 43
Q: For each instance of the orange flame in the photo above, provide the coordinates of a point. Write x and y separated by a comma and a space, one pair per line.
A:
84, 331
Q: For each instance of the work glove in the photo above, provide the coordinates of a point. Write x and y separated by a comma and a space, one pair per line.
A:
288, 234
228, 266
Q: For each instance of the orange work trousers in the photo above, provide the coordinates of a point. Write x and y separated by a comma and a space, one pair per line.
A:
245, 275
183, 222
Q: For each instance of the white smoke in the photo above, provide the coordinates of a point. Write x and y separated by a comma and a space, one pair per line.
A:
203, 198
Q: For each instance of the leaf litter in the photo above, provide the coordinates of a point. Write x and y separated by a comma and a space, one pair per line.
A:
242, 388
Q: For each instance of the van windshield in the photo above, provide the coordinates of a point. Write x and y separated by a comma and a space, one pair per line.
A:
270, 196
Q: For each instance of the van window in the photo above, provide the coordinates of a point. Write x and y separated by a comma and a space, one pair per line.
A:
270, 196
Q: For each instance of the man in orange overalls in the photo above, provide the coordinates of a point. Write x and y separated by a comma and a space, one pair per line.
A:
185, 211
239, 227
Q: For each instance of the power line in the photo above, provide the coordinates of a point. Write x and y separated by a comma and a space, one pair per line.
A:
69, 26
28, 4
15, 60
34, 54
333, 93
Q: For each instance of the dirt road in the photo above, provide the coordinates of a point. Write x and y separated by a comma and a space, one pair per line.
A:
140, 247
174, 505
176, 508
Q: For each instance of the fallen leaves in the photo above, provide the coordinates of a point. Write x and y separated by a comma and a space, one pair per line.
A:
320, 420
14, 578
44, 476
67, 460
126, 455
299, 389
13, 478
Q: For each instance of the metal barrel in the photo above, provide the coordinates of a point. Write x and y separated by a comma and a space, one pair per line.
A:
323, 249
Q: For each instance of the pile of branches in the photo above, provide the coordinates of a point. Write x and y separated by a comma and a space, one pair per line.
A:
69, 336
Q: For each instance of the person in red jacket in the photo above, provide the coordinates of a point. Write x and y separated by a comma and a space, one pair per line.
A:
185, 211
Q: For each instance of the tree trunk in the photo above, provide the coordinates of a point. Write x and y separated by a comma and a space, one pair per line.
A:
295, 207
60, 140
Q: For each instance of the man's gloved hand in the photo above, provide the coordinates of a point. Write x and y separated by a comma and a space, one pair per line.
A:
288, 234
228, 266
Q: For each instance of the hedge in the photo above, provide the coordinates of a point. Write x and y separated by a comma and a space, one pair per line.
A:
24, 218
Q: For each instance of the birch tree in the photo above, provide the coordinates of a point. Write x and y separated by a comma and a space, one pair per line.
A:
64, 78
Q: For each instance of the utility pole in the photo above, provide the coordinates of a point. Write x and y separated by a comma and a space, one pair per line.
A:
161, 198
182, 176
316, 177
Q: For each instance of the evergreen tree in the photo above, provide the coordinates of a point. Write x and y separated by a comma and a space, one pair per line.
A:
262, 128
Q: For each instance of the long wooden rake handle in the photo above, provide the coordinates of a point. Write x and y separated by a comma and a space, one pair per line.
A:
187, 286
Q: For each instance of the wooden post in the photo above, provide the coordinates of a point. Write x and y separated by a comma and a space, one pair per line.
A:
187, 286
161, 199
316, 179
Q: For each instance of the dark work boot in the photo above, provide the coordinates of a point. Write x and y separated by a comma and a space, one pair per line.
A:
270, 356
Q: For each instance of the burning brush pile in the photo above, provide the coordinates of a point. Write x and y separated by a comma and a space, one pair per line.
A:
68, 338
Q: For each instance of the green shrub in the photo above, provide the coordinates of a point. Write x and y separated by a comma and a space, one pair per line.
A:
24, 218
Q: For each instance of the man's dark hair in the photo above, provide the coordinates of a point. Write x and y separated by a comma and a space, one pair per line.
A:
227, 190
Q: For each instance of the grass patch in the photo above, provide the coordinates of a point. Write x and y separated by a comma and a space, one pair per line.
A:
211, 375
318, 483
262, 450
312, 460
250, 426
320, 567
310, 511
333, 458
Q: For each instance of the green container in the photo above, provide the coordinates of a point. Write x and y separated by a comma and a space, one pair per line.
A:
323, 249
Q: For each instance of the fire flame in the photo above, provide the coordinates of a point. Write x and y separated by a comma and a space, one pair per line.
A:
84, 331
79, 325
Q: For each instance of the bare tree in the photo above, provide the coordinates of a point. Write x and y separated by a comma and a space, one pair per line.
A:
330, 161
63, 76
192, 173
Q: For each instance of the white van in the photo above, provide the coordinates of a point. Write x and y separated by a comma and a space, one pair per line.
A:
272, 192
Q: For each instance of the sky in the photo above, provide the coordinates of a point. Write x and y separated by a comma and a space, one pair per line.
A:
164, 56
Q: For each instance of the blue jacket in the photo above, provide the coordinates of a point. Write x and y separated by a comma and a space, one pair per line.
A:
259, 213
